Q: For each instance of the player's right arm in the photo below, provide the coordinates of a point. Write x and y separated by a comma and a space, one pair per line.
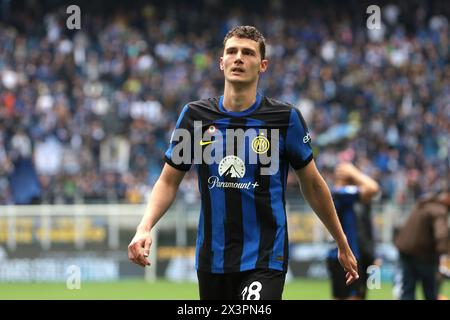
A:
164, 190
161, 197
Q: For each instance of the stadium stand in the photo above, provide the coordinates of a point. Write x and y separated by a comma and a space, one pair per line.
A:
85, 115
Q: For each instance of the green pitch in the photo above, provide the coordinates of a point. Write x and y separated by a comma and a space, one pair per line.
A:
299, 289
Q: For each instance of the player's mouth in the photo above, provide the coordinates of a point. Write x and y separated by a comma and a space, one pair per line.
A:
237, 70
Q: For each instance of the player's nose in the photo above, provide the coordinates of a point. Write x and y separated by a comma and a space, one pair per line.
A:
238, 57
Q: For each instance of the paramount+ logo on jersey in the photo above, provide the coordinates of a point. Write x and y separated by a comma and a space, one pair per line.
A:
233, 168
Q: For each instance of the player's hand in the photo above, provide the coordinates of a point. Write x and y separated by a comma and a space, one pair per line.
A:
346, 170
139, 248
348, 262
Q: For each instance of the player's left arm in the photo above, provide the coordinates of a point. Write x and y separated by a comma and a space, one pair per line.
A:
317, 193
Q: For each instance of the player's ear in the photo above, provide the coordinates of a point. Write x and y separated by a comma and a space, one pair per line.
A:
263, 66
221, 64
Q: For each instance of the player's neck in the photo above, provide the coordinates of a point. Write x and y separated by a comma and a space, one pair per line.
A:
237, 99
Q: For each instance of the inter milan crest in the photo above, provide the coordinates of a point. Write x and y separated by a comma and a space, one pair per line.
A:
260, 144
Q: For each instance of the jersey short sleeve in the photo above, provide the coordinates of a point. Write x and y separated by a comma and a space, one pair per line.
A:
298, 141
180, 151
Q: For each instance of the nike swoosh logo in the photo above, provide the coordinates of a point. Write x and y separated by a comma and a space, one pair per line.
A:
204, 143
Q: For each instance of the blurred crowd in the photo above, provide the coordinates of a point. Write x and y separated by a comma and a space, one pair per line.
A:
91, 111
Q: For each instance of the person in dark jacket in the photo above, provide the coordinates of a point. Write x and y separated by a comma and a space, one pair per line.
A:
421, 242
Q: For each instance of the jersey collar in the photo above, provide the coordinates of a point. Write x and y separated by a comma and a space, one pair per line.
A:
245, 112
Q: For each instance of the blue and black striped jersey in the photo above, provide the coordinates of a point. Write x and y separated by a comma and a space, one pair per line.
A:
242, 160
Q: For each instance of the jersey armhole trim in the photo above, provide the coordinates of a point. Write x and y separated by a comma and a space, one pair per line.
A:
181, 167
304, 163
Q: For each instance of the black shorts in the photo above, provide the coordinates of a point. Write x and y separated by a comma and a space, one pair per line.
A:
340, 290
258, 284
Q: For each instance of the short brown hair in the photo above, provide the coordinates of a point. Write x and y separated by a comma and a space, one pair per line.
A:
248, 32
